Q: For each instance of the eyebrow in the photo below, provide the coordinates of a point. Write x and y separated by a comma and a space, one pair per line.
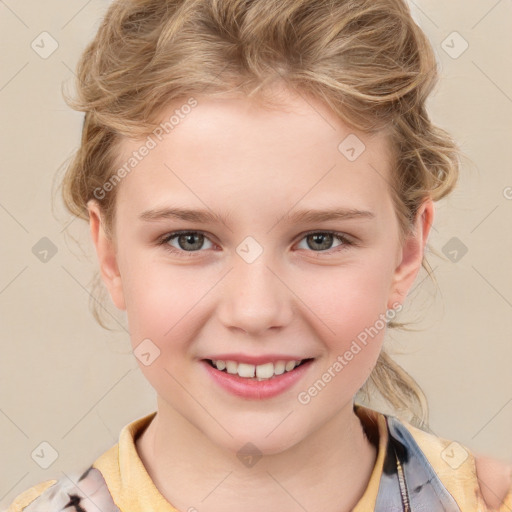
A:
206, 216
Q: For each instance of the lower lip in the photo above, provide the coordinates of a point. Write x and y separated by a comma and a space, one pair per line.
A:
257, 389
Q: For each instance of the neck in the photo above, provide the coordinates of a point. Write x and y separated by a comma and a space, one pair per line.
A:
329, 470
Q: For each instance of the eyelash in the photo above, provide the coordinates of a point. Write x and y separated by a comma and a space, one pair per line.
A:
345, 242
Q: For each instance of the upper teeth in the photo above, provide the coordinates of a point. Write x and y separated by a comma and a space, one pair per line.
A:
261, 371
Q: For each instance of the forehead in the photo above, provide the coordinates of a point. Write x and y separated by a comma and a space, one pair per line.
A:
238, 150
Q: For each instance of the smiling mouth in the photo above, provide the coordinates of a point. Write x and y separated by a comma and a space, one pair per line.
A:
259, 372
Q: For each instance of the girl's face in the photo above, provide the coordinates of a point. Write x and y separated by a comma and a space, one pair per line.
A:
259, 278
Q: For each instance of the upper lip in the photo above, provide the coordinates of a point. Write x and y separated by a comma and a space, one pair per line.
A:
255, 360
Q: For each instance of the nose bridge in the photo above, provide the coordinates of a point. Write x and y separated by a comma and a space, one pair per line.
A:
254, 298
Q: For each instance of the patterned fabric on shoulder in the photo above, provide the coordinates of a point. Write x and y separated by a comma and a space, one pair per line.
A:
90, 494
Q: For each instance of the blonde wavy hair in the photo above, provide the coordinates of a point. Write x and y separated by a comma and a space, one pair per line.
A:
365, 59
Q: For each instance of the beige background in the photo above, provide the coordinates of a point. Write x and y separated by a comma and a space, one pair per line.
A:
68, 382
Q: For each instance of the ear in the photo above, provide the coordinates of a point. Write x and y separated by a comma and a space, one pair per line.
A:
411, 254
106, 252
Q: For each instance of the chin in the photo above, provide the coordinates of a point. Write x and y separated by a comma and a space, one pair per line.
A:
256, 441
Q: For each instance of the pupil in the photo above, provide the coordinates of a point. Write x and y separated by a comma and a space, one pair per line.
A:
317, 238
188, 238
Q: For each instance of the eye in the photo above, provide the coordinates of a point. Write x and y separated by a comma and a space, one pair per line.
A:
189, 242
321, 241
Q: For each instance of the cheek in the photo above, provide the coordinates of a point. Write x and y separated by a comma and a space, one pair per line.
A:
162, 304
350, 320
160, 300
349, 307
350, 298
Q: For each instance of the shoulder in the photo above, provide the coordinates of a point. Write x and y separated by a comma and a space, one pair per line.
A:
88, 494
495, 480
28, 496
461, 469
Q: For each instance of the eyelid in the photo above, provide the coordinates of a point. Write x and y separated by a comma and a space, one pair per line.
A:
341, 234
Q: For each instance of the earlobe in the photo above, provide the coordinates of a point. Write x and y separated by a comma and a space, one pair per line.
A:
412, 254
106, 253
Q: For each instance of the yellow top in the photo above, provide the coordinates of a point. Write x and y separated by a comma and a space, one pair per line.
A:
132, 488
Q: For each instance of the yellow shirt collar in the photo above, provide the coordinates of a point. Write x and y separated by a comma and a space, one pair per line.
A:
131, 486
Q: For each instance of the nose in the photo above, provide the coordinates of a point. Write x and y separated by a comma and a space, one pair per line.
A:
254, 297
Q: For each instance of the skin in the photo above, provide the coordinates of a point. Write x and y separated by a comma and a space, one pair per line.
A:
233, 157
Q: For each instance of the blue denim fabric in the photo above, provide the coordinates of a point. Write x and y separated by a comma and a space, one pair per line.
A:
426, 492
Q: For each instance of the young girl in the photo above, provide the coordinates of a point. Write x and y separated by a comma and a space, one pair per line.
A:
259, 180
